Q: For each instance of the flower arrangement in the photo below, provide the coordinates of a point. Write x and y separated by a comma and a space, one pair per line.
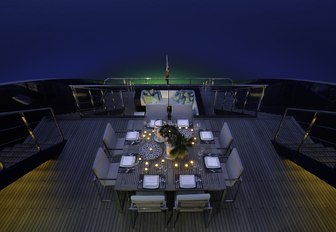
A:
178, 142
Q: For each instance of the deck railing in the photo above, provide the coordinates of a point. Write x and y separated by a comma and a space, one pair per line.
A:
320, 126
18, 126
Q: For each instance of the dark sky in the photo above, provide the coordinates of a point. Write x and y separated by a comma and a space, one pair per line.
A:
241, 39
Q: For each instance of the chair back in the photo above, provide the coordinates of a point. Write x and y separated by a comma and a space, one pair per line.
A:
110, 137
225, 136
156, 111
234, 167
100, 168
182, 111
193, 202
147, 203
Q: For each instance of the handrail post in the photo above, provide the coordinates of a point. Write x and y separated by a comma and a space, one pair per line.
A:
103, 99
245, 100
74, 94
280, 125
30, 131
56, 123
92, 102
308, 130
260, 99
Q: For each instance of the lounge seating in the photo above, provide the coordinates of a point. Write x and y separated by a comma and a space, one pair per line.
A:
232, 173
105, 173
148, 204
112, 143
193, 203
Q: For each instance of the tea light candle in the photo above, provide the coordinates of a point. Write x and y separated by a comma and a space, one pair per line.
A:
143, 135
149, 134
153, 131
194, 138
162, 161
145, 132
148, 138
191, 129
191, 162
180, 127
146, 169
176, 165
150, 149
156, 165
186, 165
186, 127
140, 159
192, 143
146, 163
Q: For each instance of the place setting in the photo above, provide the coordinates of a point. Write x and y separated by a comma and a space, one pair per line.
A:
132, 138
207, 137
189, 181
212, 163
147, 181
128, 163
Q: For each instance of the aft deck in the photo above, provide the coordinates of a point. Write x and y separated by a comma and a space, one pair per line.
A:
276, 194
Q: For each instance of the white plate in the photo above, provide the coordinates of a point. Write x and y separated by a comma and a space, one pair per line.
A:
158, 123
206, 135
187, 181
132, 135
127, 161
151, 181
211, 162
182, 122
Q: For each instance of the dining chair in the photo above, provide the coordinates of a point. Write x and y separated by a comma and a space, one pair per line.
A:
225, 139
148, 204
193, 203
156, 111
182, 111
232, 172
112, 143
105, 172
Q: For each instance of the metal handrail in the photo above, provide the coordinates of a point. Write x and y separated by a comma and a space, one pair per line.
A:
311, 124
27, 125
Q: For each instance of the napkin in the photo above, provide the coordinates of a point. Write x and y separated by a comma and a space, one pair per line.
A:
151, 123
212, 162
151, 181
127, 161
132, 135
182, 122
206, 135
187, 181
158, 123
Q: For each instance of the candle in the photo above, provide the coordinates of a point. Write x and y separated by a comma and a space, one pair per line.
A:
192, 143
156, 165
180, 127
140, 159
186, 127
144, 135
146, 163
191, 162
194, 138
145, 132
148, 138
150, 149
191, 129
149, 134
153, 131
176, 165
162, 161
146, 169
186, 165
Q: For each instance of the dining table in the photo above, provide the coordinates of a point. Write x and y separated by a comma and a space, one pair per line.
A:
189, 175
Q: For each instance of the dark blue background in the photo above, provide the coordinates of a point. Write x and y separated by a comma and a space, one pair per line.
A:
241, 39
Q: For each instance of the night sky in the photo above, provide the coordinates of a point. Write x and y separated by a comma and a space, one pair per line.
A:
240, 39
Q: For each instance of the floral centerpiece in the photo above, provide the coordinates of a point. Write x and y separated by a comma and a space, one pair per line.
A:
177, 145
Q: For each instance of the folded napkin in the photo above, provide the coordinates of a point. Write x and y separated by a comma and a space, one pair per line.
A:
151, 123
158, 123
212, 162
127, 161
132, 135
187, 181
206, 135
151, 181
182, 122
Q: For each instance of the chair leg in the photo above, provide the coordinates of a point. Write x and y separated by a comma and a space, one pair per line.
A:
135, 219
209, 219
177, 216
99, 191
235, 194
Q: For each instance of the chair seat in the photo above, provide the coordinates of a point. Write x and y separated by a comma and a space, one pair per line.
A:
112, 174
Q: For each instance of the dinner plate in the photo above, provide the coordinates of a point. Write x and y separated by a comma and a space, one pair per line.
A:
132, 135
127, 161
151, 181
187, 181
182, 122
211, 162
206, 135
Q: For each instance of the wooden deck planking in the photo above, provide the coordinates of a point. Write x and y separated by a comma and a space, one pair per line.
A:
275, 195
